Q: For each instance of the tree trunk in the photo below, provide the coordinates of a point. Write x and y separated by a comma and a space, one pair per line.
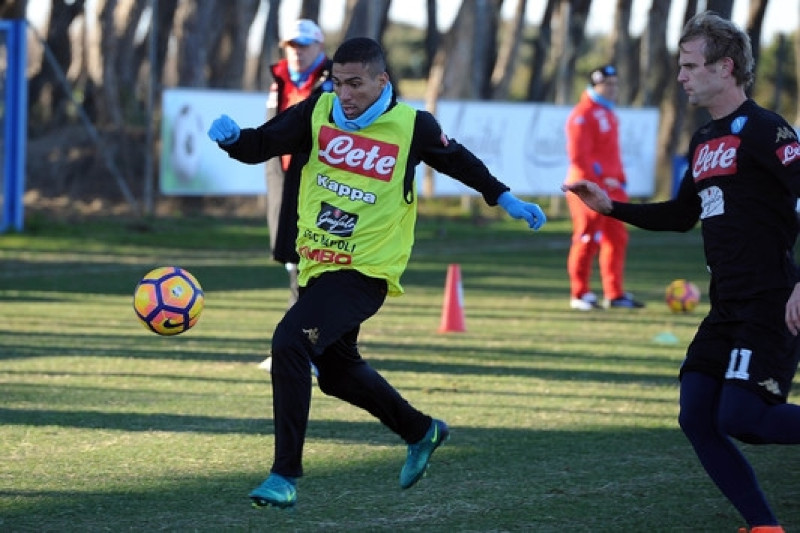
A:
309, 9
129, 60
432, 35
624, 52
464, 49
657, 68
572, 25
367, 18
724, 8
162, 23
538, 85
13, 9
463, 65
46, 96
196, 27
780, 61
110, 109
504, 67
229, 53
670, 140
755, 20
270, 51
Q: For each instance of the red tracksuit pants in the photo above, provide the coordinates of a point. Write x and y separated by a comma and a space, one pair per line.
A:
593, 234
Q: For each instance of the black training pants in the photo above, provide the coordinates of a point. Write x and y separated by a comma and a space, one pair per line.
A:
323, 327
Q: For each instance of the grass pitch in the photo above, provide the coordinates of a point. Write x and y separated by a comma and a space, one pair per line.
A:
561, 420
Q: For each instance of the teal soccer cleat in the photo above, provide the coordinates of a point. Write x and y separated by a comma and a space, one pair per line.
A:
420, 453
276, 491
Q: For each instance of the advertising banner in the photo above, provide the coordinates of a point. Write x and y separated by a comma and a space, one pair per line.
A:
522, 144
191, 163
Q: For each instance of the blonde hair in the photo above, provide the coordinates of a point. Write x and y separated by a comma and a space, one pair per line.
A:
722, 39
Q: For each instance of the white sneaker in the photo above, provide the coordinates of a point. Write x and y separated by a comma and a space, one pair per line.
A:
587, 302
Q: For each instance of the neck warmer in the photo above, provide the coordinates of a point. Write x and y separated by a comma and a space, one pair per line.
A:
367, 117
299, 78
605, 102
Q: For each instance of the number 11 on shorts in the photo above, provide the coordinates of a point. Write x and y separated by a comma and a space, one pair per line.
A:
740, 362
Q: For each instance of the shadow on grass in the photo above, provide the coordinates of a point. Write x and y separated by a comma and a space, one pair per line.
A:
484, 479
210, 251
499, 366
206, 424
115, 278
135, 421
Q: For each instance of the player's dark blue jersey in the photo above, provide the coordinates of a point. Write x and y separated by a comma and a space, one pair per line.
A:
742, 183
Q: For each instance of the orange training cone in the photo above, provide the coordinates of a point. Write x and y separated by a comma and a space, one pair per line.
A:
453, 307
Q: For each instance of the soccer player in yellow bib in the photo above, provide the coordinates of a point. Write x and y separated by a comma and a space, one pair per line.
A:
357, 210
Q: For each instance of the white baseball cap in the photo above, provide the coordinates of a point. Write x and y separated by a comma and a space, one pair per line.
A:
304, 32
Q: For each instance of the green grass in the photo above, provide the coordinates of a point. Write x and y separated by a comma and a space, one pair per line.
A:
561, 421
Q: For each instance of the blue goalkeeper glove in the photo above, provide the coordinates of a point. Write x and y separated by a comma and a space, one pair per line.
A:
516, 208
224, 130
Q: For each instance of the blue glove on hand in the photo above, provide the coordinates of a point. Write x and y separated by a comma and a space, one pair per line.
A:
224, 130
516, 208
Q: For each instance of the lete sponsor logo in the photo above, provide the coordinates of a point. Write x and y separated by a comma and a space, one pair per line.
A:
788, 152
716, 157
357, 154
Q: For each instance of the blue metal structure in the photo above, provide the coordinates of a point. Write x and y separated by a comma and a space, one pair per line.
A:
14, 114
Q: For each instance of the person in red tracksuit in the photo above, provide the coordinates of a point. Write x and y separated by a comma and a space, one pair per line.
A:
594, 155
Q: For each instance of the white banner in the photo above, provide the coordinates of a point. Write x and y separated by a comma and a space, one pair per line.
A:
523, 144
191, 163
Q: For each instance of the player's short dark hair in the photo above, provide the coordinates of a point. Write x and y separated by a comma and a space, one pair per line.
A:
362, 50
722, 39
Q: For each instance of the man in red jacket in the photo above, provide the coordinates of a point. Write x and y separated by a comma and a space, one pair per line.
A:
304, 70
594, 155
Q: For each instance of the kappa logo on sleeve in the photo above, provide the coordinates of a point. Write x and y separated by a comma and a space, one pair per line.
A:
785, 133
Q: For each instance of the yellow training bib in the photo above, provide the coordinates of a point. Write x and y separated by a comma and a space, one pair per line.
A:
352, 212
